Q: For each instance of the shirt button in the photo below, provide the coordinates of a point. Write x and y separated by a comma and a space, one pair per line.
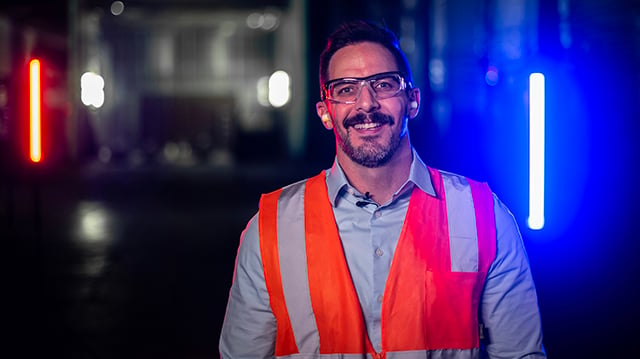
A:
378, 214
379, 252
350, 190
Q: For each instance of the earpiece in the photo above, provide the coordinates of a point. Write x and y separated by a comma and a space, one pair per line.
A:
326, 121
413, 105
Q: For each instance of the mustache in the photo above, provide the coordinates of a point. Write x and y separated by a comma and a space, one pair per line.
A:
374, 117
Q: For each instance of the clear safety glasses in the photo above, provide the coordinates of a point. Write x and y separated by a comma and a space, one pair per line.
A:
347, 90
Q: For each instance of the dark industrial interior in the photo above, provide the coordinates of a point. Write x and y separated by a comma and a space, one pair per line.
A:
120, 240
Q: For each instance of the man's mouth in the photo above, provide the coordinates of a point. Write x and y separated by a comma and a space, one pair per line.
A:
367, 125
369, 121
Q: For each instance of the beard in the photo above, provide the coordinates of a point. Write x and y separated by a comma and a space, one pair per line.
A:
371, 153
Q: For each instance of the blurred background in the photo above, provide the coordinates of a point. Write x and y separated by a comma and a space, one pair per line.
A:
162, 121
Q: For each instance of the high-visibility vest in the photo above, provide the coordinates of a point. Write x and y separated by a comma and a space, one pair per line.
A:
431, 298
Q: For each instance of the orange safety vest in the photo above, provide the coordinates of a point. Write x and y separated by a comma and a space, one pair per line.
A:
426, 305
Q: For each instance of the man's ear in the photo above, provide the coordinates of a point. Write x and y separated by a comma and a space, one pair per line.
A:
414, 103
325, 116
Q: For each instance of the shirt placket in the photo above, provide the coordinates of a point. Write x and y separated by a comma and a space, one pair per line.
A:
381, 263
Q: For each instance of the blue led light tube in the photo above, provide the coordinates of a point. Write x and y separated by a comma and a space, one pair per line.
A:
536, 151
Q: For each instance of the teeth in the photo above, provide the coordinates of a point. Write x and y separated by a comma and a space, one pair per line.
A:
366, 126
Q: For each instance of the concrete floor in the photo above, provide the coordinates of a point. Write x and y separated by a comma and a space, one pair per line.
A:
107, 262
110, 262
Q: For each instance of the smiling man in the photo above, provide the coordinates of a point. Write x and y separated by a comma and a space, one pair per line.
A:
379, 256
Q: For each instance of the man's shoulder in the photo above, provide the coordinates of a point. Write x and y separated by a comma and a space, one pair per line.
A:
456, 179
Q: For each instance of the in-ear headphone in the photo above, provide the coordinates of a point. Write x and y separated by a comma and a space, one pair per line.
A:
413, 104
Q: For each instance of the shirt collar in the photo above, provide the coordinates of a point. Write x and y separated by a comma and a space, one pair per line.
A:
418, 175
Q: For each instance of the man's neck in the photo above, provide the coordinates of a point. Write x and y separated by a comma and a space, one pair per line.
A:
380, 182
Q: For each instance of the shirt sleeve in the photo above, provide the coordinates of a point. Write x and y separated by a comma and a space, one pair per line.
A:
249, 327
509, 305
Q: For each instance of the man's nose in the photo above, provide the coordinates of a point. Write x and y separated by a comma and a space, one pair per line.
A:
367, 101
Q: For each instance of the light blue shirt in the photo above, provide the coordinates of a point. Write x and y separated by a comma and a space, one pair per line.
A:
369, 236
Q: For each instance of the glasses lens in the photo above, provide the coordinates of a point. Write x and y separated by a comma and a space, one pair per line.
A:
345, 90
386, 86
348, 90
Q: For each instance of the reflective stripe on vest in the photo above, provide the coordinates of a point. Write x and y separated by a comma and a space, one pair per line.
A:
431, 297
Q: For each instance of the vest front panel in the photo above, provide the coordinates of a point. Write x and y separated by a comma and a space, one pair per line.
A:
428, 305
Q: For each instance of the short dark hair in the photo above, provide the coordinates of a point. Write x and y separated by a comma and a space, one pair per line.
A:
358, 31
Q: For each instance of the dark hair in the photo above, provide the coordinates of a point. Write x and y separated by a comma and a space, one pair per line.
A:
355, 32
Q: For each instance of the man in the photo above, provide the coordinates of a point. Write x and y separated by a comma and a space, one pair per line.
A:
379, 256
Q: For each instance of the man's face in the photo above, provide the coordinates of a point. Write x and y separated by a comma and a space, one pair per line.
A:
370, 130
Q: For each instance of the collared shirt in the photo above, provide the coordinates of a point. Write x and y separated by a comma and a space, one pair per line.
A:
369, 233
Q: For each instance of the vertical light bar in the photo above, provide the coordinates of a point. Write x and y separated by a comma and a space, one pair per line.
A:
35, 112
536, 151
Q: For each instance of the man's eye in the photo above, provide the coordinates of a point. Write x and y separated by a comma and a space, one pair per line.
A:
385, 85
344, 90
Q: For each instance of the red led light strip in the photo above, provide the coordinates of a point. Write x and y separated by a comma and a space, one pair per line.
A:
35, 112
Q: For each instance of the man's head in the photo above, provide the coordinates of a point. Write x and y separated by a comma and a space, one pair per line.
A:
361, 31
367, 93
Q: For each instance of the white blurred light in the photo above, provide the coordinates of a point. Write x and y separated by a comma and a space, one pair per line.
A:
492, 76
117, 7
255, 20
436, 73
536, 151
171, 151
266, 21
279, 90
94, 220
179, 153
92, 89
270, 22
